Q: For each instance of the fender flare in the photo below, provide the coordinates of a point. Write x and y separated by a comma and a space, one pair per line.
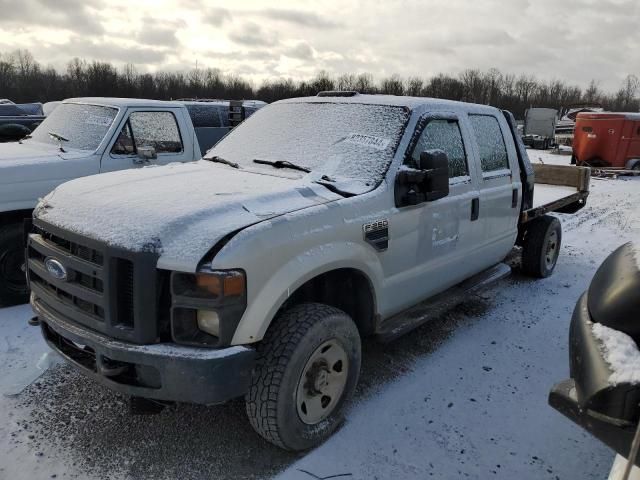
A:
319, 260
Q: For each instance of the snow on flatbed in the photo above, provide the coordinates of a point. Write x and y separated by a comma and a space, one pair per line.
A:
544, 194
465, 397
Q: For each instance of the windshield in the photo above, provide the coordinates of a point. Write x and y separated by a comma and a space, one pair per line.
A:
83, 125
341, 140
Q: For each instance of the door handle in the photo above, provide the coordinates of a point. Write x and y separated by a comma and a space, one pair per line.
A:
475, 209
514, 198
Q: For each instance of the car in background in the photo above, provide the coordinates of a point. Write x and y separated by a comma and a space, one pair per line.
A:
18, 120
81, 137
602, 394
608, 140
213, 119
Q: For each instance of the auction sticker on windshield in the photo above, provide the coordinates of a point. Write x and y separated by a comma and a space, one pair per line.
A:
368, 141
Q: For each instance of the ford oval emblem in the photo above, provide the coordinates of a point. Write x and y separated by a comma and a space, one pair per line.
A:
55, 269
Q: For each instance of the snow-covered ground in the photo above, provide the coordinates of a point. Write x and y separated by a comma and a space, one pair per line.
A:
463, 397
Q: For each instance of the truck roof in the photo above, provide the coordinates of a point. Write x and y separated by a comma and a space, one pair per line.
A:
393, 100
124, 102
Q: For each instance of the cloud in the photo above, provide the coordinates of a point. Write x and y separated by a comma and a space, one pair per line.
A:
74, 15
298, 17
593, 39
159, 32
216, 17
302, 51
252, 34
109, 51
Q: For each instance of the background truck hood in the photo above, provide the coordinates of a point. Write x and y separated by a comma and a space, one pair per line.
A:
180, 210
17, 158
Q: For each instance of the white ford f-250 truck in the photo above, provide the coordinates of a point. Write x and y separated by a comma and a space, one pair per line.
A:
83, 136
257, 270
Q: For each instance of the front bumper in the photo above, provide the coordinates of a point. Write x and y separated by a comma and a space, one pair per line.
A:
167, 372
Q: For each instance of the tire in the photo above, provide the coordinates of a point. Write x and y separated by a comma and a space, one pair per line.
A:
541, 247
636, 170
294, 369
13, 281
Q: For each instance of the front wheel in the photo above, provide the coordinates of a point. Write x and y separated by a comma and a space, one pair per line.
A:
13, 280
307, 369
541, 246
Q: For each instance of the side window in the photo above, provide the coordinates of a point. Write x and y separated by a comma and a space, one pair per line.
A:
493, 152
156, 129
203, 115
124, 143
444, 135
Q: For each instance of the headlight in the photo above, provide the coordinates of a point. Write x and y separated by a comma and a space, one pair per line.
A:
210, 285
207, 306
209, 322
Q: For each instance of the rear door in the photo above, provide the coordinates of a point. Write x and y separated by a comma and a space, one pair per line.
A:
500, 186
430, 241
159, 129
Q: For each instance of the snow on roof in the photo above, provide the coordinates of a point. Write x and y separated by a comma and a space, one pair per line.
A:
123, 102
394, 100
620, 352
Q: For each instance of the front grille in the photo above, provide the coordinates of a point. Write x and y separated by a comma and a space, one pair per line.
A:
107, 289
124, 291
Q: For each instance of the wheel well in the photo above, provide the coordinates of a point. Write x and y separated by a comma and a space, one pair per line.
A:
16, 216
347, 289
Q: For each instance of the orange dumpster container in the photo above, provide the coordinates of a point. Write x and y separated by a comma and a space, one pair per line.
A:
608, 140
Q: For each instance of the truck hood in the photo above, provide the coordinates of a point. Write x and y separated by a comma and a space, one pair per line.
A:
14, 157
179, 211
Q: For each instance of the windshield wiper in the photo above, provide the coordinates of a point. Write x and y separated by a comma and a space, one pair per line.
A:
282, 164
224, 161
60, 139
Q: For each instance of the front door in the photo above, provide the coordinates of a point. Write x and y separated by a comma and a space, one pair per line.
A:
429, 241
157, 129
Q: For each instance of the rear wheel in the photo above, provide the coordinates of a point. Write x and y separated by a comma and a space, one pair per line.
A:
541, 247
307, 369
636, 169
13, 280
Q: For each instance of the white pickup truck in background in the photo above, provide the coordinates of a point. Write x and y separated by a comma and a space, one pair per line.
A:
82, 136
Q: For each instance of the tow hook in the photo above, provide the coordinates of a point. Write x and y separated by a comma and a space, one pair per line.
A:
146, 406
34, 321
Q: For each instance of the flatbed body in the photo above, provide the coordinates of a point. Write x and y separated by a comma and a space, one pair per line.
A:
558, 188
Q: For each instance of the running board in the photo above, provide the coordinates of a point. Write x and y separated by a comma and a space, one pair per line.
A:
432, 308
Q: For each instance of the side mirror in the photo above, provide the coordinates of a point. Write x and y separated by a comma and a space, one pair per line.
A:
428, 182
146, 154
436, 164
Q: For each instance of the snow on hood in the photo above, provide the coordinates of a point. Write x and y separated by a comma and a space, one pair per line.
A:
620, 352
15, 154
180, 210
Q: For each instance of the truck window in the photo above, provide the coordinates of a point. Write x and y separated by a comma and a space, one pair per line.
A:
156, 129
204, 115
124, 144
444, 135
493, 152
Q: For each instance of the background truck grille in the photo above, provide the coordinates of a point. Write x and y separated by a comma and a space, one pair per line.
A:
107, 289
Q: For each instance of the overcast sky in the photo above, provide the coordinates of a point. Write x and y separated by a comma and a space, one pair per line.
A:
573, 40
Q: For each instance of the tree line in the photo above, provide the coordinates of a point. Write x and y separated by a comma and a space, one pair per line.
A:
24, 79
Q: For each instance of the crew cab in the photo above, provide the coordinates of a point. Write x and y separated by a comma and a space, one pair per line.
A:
82, 136
257, 270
